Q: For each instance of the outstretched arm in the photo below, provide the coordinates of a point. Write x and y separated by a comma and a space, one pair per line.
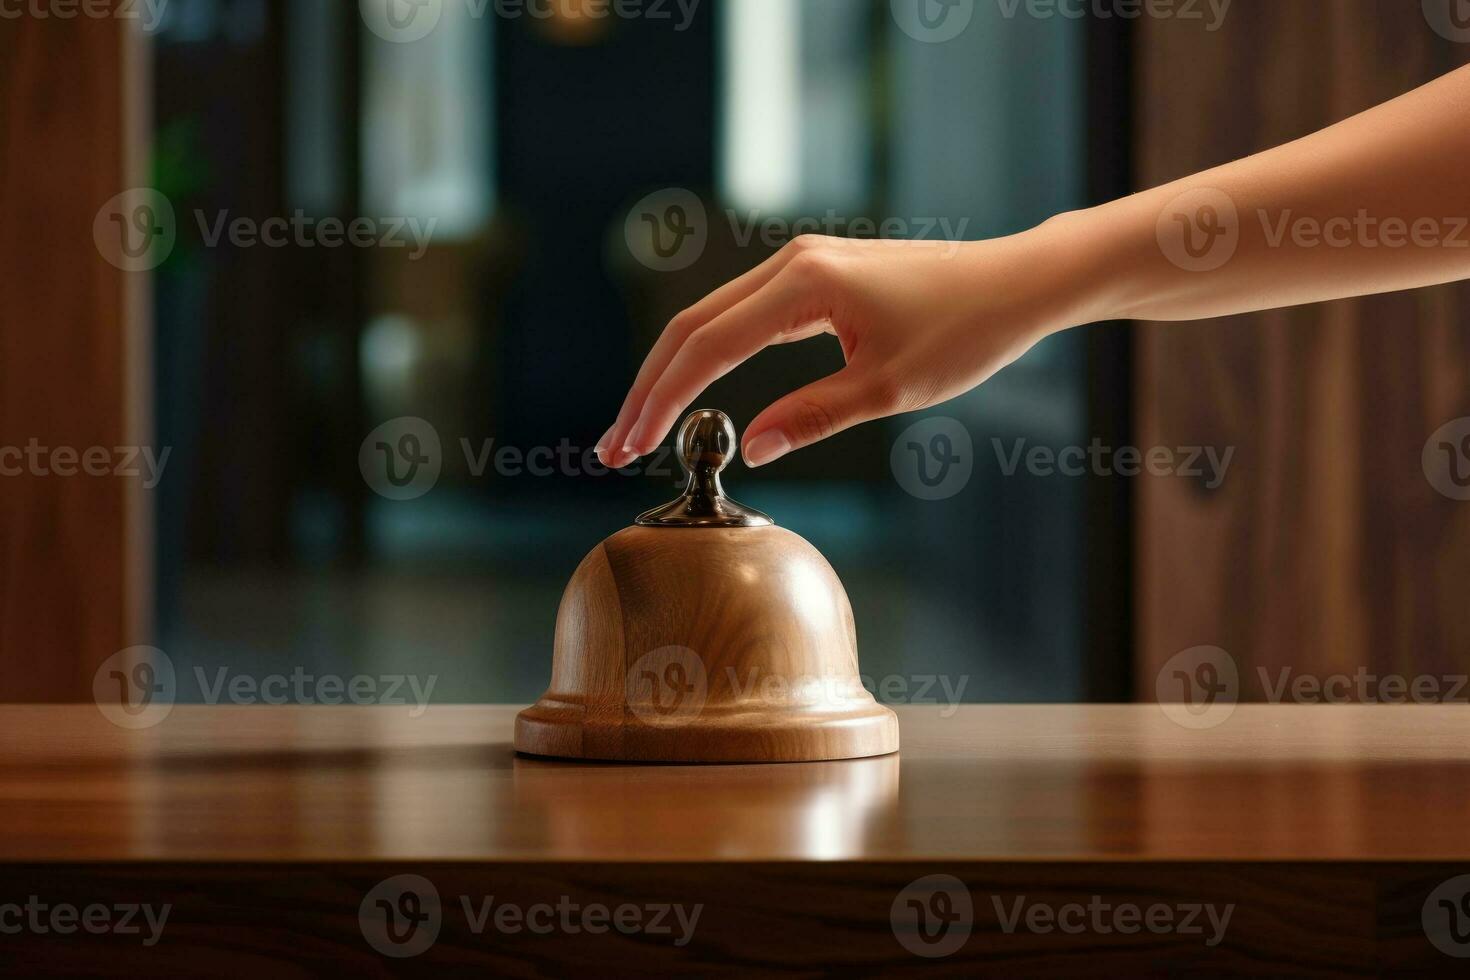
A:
1376, 203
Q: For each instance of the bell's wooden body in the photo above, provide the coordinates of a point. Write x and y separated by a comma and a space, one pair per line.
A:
706, 644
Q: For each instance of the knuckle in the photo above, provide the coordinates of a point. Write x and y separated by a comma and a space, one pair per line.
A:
811, 267
684, 322
705, 349
805, 243
811, 421
697, 344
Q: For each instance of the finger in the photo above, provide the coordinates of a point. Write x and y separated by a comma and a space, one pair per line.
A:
609, 447
783, 305
810, 414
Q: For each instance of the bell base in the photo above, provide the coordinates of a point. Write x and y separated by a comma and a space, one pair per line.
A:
569, 730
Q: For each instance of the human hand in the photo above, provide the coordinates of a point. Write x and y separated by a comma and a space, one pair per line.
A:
919, 323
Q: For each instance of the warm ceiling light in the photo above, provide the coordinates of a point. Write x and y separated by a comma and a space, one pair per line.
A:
575, 23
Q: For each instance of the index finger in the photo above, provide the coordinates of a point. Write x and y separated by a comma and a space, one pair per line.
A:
610, 446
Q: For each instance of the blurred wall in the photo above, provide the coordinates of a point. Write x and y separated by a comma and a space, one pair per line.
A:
1327, 550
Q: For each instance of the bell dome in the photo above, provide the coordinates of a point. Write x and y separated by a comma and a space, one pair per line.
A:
705, 633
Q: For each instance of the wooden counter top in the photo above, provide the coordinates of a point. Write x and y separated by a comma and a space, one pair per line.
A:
1328, 825
989, 783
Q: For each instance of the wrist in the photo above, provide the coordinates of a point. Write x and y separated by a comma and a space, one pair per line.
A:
1085, 275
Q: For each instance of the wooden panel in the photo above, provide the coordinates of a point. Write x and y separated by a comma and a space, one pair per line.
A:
789, 919
1326, 549
72, 548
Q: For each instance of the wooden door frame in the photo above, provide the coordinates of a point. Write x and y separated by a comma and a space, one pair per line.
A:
75, 346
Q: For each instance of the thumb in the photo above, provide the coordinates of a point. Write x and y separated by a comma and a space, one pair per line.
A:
807, 415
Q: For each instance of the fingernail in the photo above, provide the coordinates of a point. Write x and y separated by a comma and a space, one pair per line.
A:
766, 447
601, 446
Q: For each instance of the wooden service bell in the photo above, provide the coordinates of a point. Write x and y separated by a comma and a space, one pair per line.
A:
704, 633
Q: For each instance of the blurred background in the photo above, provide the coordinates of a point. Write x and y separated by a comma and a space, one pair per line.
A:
527, 141
543, 187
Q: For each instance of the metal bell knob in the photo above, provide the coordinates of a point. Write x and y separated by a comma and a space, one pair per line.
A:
706, 444
706, 441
